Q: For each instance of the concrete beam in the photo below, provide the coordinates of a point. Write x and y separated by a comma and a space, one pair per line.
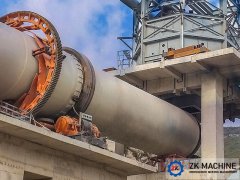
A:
166, 85
224, 58
174, 73
132, 80
212, 116
202, 66
230, 71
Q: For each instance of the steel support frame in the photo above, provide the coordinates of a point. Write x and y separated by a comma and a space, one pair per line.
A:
226, 15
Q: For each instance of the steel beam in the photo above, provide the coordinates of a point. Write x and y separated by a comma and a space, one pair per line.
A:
133, 4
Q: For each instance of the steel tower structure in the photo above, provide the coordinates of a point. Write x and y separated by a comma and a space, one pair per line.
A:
163, 24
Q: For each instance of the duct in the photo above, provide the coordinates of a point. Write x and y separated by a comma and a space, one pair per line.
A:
138, 119
122, 112
67, 90
133, 4
18, 66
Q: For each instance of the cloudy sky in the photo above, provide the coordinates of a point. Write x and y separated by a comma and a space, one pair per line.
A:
90, 26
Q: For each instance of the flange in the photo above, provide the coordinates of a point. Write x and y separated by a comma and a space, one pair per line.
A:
89, 80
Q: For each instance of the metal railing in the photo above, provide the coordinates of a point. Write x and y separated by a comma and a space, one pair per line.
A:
124, 59
14, 112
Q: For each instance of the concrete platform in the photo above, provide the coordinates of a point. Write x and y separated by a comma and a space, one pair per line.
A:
45, 138
176, 79
226, 60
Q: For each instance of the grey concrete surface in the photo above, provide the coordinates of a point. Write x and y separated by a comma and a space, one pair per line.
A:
46, 142
159, 76
188, 64
156, 176
19, 158
164, 176
212, 136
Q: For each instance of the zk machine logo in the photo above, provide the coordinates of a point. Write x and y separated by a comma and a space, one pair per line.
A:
175, 168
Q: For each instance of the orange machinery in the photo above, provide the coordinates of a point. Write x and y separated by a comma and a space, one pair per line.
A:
70, 126
67, 126
187, 51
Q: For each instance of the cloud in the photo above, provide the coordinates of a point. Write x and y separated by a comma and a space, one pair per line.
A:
90, 26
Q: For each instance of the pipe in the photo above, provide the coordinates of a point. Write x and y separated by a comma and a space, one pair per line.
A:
139, 119
18, 66
67, 90
122, 112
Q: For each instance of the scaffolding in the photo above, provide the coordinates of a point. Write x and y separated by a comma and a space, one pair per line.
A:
162, 24
124, 59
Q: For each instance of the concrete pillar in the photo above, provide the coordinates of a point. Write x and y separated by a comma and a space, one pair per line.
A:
212, 142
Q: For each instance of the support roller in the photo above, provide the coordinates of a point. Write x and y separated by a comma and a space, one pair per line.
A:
122, 112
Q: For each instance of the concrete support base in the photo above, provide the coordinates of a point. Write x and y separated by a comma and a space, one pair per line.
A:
212, 137
155, 176
163, 176
23, 160
28, 152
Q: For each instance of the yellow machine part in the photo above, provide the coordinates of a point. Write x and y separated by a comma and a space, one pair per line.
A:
187, 51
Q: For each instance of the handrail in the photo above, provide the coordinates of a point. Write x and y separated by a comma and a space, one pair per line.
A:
12, 111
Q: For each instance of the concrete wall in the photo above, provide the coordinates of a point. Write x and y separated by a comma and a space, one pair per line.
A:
19, 156
163, 176
155, 176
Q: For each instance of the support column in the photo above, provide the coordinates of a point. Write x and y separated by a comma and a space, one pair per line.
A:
223, 6
212, 135
144, 5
